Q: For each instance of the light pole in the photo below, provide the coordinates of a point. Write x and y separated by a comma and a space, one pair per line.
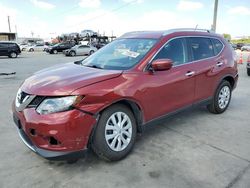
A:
215, 15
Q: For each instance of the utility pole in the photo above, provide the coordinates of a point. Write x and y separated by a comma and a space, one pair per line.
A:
9, 24
215, 15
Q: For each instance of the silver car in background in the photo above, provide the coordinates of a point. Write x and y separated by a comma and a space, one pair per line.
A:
246, 47
80, 50
36, 47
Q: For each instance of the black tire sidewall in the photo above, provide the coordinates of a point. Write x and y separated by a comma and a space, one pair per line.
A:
13, 56
72, 53
216, 99
99, 143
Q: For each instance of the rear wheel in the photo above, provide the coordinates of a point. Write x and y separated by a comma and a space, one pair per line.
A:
91, 52
115, 134
13, 55
55, 52
248, 71
31, 50
221, 98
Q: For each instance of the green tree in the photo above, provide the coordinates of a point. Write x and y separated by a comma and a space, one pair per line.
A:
227, 36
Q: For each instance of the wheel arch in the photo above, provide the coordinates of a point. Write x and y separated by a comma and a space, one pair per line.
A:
135, 108
230, 79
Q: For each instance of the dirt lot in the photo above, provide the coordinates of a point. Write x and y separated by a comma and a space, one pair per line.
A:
192, 149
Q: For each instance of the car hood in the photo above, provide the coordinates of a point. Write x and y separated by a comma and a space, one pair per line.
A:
64, 79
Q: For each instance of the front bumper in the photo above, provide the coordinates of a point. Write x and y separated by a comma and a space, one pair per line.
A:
70, 131
50, 155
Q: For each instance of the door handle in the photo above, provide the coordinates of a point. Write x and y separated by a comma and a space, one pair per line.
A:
219, 64
190, 73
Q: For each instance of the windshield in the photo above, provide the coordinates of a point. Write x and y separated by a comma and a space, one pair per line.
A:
120, 54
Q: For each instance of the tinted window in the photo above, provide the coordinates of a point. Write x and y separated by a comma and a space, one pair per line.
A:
201, 48
12, 45
3, 45
217, 46
174, 50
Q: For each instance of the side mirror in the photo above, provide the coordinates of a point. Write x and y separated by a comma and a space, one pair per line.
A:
162, 64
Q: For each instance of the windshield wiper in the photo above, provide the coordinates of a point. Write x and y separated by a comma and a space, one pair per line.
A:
93, 66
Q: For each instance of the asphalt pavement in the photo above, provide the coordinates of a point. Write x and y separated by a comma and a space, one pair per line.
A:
193, 149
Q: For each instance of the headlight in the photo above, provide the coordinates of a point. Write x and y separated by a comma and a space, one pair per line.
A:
52, 105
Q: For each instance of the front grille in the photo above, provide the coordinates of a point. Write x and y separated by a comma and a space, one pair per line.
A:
36, 101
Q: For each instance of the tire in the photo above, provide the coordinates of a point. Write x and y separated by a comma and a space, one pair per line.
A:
54, 51
31, 50
102, 138
248, 71
72, 53
91, 52
13, 55
221, 99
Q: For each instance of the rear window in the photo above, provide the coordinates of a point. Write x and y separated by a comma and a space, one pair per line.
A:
217, 46
202, 48
3, 45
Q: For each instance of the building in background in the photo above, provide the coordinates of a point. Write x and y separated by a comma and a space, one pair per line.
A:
6, 36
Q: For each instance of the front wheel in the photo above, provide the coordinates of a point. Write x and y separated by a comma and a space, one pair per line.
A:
248, 71
55, 52
115, 134
221, 98
72, 53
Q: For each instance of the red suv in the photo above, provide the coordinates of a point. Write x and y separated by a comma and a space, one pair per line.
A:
103, 101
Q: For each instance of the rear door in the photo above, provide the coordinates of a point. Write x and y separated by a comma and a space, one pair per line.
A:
207, 64
4, 49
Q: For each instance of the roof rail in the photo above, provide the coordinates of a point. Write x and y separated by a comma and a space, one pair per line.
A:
187, 29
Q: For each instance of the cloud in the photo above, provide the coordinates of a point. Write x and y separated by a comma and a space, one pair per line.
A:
189, 5
90, 3
239, 10
133, 1
42, 4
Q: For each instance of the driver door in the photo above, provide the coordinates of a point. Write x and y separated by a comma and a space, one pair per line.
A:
173, 89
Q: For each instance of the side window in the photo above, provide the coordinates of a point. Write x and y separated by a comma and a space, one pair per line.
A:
217, 46
201, 47
174, 50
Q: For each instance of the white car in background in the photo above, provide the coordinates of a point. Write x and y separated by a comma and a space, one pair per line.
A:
87, 33
23, 46
80, 50
36, 47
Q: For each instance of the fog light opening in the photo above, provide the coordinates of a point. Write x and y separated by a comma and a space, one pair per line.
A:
53, 141
33, 132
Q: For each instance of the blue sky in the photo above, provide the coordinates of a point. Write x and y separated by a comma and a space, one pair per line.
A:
47, 18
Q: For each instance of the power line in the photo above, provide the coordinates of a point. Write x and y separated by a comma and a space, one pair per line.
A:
101, 15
